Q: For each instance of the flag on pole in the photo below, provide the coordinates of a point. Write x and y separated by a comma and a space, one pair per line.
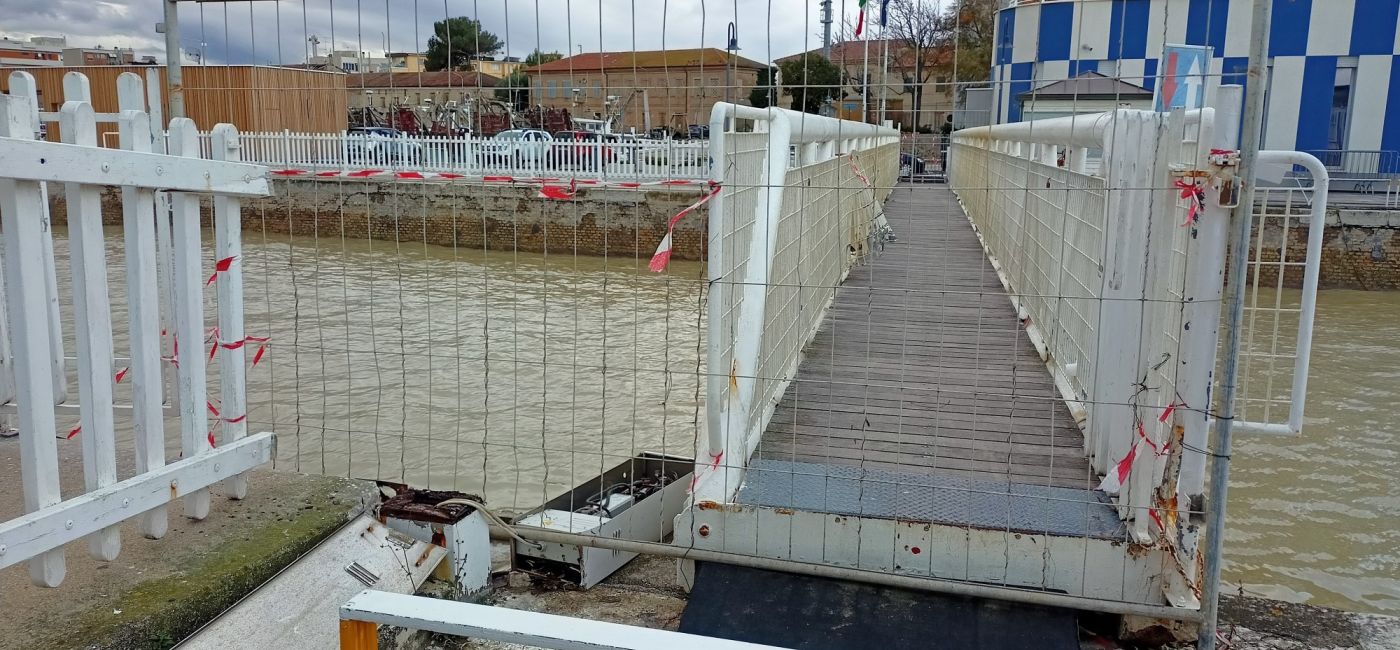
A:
884, 13
860, 18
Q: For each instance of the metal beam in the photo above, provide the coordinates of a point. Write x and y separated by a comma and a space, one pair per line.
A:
37, 160
514, 626
53, 526
917, 583
1234, 318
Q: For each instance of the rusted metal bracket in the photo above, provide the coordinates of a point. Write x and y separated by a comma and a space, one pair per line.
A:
426, 506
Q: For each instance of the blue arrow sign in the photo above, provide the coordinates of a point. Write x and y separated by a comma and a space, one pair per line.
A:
1183, 78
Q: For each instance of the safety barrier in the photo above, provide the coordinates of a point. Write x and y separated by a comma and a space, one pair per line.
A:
1116, 266
781, 242
165, 284
519, 154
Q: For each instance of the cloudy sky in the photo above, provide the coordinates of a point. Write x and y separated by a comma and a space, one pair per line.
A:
271, 31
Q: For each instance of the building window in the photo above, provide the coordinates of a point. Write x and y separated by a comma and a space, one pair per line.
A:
1341, 108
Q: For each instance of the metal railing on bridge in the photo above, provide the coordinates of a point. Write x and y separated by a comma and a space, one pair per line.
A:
781, 243
1117, 270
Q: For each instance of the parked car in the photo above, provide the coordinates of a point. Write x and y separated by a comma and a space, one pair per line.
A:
699, 131
625, 146
910, 165
519, 147
378, 145
570, 150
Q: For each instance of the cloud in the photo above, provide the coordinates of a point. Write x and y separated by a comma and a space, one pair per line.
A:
273, 31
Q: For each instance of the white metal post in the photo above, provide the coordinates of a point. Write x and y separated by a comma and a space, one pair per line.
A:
140, 212
228, 237
92, 314
21, 212
23, 86
1239, 250
189, 315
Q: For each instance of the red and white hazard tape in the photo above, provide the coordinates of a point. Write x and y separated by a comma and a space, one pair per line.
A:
446, 177
662, 257
1116, 477
1196, 195
856, 170
715, 460
216, 343
221, 266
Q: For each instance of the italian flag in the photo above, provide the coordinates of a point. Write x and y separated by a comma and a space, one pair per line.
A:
860, 18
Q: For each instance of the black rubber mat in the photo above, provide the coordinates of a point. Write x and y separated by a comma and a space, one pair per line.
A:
802, 612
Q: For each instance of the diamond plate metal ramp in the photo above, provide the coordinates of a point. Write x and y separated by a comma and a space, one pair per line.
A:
801, 612
944, 499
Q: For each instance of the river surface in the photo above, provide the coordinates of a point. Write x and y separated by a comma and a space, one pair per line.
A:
515, 376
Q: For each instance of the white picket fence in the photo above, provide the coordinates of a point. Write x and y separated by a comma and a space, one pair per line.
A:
636, 160
161, 195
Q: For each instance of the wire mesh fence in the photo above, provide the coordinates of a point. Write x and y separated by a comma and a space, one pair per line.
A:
889, 337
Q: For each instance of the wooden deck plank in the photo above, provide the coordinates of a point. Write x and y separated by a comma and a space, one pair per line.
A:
922, 365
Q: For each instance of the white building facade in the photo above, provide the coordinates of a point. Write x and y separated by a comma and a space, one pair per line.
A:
1333, 72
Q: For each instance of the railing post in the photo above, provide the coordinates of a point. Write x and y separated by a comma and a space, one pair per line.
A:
1130, 190
92, 314
189, 316
229, 336
144, 298
21, 209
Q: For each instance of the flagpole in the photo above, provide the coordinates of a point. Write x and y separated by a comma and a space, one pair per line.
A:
884, 69
865, 85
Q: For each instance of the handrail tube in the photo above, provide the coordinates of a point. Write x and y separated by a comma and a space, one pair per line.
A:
1316, 225
744, 372
1089, 130
784, 128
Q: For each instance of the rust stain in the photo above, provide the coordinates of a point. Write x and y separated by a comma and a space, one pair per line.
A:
733, 376
1227, 192
427, 506
784, 511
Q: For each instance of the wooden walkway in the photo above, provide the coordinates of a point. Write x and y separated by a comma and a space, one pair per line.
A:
922, 366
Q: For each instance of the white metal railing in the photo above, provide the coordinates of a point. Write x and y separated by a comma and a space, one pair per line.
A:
361, 617
1120, 288
623, 160
33, 368
1100, 268
1276, 348
780, 243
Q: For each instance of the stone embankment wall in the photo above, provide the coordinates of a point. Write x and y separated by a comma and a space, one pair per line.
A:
1360, 250
596, 221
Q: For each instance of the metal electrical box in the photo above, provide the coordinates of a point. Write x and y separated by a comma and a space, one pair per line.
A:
637, 500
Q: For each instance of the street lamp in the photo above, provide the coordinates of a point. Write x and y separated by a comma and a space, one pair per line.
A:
732, 46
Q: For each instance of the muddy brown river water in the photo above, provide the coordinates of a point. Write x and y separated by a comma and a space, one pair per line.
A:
517, 375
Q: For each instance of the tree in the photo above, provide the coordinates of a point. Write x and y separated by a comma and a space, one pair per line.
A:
968, 31
537, 57
515, 90
762, 94
456, 41
811, 80
919, 28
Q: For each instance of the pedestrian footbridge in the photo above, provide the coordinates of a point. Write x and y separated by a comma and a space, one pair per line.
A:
1002, 384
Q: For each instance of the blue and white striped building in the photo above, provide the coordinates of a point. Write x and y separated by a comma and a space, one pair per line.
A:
1334, 77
